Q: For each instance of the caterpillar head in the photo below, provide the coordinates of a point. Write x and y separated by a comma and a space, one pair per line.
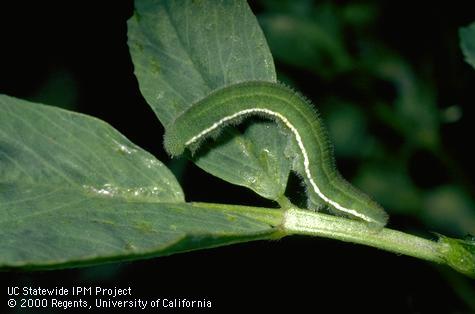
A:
172, 143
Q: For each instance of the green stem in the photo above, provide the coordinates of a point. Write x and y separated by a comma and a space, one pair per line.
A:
458, 254
299, 221
447, 251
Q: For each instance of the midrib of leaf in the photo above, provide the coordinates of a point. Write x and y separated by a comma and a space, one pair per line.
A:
74, 191
198, 227
180, 40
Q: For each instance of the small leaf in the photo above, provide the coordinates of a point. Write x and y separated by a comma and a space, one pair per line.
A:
467, 43
459, 254
261, 163
184, 50
75, 191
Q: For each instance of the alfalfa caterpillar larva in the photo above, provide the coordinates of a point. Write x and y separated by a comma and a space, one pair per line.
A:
277, 102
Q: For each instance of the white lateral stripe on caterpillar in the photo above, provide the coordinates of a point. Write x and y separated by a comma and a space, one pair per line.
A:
300, 144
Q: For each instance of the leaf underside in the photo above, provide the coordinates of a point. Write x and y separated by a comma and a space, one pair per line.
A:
182, 51
75, 191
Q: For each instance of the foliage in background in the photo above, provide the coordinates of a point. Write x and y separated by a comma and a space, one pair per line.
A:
383, 93
363, 84
319, 47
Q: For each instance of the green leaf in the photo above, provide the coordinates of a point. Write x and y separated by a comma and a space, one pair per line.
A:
459, 254
261, 163
184, 50
75, 191
467, 43
43, 146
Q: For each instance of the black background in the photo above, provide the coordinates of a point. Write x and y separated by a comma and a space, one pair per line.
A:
88, 39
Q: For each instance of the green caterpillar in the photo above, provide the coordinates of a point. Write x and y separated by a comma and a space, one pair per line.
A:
279, 103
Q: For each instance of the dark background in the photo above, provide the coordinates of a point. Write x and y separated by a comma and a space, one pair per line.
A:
74, 54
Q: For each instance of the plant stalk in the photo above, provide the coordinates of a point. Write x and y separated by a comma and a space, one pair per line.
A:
458, 254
